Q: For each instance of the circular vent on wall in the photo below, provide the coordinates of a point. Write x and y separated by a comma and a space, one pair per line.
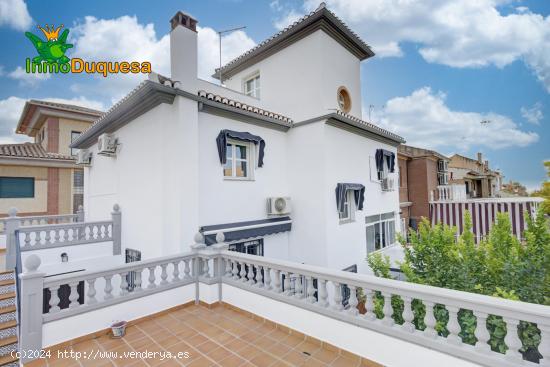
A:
280, 204
343, 99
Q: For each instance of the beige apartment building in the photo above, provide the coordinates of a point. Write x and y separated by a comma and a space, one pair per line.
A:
41, 177
475, 174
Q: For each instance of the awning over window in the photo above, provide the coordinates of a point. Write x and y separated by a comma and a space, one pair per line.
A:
382, 154
221, 141
358, 194
244, 230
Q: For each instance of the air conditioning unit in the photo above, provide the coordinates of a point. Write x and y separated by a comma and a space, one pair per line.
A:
387, 184
106, 144
278, 206
83, 157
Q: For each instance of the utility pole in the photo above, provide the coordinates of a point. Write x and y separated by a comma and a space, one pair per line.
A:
220, 33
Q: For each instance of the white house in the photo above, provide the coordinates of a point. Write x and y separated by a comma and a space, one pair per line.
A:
182, 155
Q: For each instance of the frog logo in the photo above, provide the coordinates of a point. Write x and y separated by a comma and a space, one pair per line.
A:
53, 50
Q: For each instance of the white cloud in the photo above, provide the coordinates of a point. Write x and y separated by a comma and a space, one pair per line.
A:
457, 33
125, 39
14, 13
533, 114
12, 107
424, 119
28, 79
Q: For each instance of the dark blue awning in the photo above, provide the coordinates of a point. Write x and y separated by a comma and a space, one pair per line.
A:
221, 142
243, 230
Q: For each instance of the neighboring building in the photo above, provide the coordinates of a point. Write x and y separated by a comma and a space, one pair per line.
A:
479, 180
42, 178
183, 155
421, 171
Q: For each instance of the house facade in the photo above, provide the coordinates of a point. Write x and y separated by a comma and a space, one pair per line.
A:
421, 172
480, 181
41, 177
311, 182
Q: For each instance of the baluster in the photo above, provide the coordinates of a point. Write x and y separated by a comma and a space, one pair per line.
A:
205, 268
267, 278
235, 270
163, 274
310, 290
243, 272
338, 306
453, 326
151, 284
90, 296
228, 268
56, 235
47, 238
322, 292
123, 284
299, 287
259, 277
286, 283
481, 333
108, 287
277, 281
186, 269
353, 302
54, 300
544, 346
102, 231
65, 235
73, 296
176, 272
408, 315
512, 340
27, 239
388, 310
369, 304
137, 280
251, 280
430, 320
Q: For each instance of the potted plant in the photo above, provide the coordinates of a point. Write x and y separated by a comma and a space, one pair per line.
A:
118, 329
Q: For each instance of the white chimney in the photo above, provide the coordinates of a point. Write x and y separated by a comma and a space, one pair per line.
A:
183, 51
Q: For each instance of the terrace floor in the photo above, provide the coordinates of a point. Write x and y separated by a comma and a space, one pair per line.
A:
216, 336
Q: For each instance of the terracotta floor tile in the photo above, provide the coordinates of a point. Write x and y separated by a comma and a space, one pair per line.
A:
308, 347
278, 349
263, 359
295, 358
207, 347
248, 352
201, 362
232, 361
342, 361
218, 354
196, 340
324, 355
312, 362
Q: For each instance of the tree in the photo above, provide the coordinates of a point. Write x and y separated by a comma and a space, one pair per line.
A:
499, 266
544, 191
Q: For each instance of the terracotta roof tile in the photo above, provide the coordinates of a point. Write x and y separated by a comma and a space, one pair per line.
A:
244, 106
29, 150
370, 125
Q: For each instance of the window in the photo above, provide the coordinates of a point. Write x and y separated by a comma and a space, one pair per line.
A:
74, 136
442, 178
16, 187
252, 86
254, 247
344, 100
442, 166
238, 162
380, 231
348, 215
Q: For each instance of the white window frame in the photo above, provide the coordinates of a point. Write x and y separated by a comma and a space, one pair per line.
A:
250, 161
386, 223
255, 92
350, 204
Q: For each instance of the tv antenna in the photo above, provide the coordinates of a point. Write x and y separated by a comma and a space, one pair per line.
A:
220, 33
371, 108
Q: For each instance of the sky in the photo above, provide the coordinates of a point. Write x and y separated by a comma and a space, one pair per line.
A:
457, 76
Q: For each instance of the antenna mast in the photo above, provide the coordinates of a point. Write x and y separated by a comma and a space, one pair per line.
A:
220, 33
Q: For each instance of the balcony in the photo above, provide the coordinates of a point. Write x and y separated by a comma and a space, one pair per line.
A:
322, 311
451, 192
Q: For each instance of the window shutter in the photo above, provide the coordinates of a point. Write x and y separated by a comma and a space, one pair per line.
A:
370, 239
373, 170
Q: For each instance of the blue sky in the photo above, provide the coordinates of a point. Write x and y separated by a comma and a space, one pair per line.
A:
441, 66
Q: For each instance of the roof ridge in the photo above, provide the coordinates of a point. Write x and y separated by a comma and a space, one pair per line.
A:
320, 8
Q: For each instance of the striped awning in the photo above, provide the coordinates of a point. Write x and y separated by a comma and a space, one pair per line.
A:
244, 230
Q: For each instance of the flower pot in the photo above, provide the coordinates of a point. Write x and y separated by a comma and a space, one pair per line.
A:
118, 329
